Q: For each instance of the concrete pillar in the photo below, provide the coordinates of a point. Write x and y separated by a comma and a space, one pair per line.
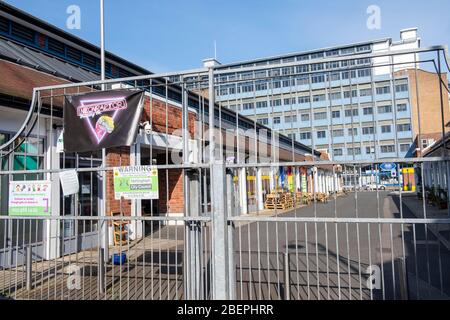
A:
259, 189
243, 190
52, 228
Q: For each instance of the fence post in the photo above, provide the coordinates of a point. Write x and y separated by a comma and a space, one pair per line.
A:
403, 278
29, 266
193, 237
231, 227
101, 270
287, 277
219, 234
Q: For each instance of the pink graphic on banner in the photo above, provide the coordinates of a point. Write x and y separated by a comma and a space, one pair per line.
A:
105, 124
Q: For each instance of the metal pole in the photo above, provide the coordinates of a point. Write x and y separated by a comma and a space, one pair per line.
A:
104, 226
29, 267
102, 41
101, 270
403, 278
287, 277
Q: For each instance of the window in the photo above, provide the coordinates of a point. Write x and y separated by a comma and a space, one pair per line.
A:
317, 67
370, 150
291, 136
334, 77
247, 87
321, 134
317, 55
22, 32
305, 135
276, 120
287, 70
404, 127
320, 116
353, 130
335, 96
261, 104
367, 111
338, 133
337, 152
347, 63
364, 61
305, 117
354, 151
347, 94
275, 103
29, 156
348, 50
333, 65
386, 128
302, 80
402, 107
351, 112
363, 48
346, 75
384, 90
384, 109
248, 106
364, 72
304, 99
263, 121
319, 78
332, 53
404, 147
401, 87
319, 97
365, 92
387, 149
288, 83
302, 69
276, 84
289, 101
57, 47
368, 130
335, 114
261, 85
290, 119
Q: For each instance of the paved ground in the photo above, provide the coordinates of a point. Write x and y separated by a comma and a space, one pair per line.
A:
330, 260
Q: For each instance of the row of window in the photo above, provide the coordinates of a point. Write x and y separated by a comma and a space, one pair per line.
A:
277, 83
306, 68
338, 152
322, 97
336, 133
57, 48
336, 114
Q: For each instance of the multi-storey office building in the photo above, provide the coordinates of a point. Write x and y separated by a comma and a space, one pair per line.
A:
368, 111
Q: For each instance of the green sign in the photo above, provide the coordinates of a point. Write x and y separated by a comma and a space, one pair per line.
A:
29, 198
136, 182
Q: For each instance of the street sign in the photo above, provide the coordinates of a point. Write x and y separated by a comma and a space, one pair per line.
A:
136, 182
388, 166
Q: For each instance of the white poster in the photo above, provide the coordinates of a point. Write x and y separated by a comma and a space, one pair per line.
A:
29, 198
69, 182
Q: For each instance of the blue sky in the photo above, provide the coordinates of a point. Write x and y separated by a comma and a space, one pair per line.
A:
163, 35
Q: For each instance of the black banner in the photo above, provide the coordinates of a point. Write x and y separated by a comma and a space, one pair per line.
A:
105, 119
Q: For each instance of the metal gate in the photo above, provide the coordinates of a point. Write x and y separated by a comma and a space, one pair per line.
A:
252, 205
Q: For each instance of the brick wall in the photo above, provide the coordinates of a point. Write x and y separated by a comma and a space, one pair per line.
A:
116, 157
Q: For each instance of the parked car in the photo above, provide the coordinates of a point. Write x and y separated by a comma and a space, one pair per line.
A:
374, 186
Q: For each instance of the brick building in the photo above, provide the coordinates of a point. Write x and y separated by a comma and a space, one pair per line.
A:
36, 54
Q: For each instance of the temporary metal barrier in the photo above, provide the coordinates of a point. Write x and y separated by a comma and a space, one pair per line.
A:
320, 225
